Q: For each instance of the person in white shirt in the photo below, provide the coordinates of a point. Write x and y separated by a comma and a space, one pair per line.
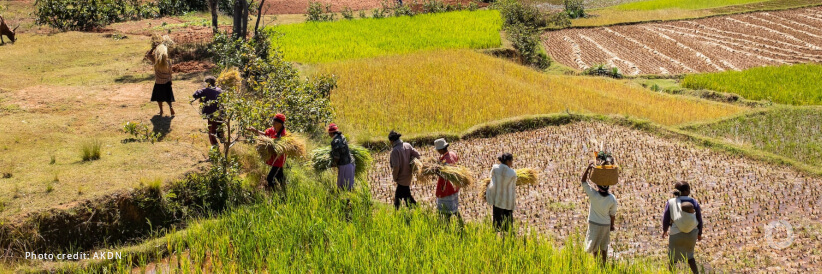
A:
502, 192
601, 215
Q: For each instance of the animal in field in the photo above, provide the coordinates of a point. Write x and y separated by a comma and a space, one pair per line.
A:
4, 30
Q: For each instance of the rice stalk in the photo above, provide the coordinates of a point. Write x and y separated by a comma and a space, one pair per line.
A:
287, 145
321, 159
527, 176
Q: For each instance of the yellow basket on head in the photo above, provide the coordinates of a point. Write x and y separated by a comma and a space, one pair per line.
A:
606, 175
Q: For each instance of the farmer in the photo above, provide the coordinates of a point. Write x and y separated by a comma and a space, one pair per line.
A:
341, 158
448, 195
601, 215
209, 97
686, 228
502, 192
276, 177
402, 154
162, 78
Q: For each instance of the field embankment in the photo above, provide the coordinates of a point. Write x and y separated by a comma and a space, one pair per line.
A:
314, 42
735, 236
707, 45
451, 91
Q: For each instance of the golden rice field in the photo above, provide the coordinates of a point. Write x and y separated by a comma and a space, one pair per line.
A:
745, 203
451, 91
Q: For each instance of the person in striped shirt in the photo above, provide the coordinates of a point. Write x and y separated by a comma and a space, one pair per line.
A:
502, 192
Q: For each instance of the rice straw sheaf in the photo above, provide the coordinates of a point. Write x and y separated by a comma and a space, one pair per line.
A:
321, 159
290, 146
428, 171
525, 176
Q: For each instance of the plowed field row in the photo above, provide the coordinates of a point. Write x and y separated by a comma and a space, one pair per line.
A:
707, 45
740, 197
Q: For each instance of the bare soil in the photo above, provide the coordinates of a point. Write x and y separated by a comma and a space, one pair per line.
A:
739, 197
734, 42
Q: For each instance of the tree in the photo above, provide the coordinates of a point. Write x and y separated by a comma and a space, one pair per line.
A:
212, 5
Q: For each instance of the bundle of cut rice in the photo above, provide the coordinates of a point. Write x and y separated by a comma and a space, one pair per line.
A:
290, 146
229, 79
321, 159
525, 176
427, 171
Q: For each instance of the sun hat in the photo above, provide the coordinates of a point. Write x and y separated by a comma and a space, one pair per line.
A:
440, 144
332, 128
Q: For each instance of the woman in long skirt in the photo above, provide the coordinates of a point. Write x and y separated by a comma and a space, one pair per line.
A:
162, 79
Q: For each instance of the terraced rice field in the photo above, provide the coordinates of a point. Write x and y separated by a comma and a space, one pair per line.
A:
740, 197
707, 45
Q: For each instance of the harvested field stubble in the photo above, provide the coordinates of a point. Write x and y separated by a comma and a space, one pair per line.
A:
715, 44
455, 90
738, 196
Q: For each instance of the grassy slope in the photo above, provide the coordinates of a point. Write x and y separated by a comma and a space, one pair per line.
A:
681, 4
790, 84
616, 15
450, 91
57, 95
790, 132
315, 231
349, 39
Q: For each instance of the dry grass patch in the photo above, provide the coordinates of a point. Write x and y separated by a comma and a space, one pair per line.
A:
450, 91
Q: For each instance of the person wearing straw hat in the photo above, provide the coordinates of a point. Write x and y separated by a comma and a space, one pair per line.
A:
601, 216
685, 228
341, 158
501, 193
210, 99
448, 195
402, 154
276, 177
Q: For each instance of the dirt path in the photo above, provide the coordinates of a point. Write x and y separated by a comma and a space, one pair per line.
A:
740, 197
707, 45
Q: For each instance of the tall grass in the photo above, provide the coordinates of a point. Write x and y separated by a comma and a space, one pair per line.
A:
316, 230
451, 91
789, 84
787, 131
315, 42
682, 4
90, 150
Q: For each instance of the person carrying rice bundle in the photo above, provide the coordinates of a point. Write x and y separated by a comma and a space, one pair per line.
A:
402, 154
341, 158
276, 177
501, 193
601, 216
448, 195
210, 98
162, 91
684, 217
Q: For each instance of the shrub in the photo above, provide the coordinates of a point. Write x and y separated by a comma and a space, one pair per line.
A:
141, 132
347, 13
473, 6
88, 14
362, 14
403, 10
90, 150
527, 43
318, 13
574, 8
433, 6
602, 70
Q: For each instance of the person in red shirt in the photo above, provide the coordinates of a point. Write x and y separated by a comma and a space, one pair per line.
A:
448, 195
276, 177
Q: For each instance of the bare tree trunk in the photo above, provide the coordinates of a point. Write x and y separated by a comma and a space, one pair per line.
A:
245, 18
212, 4
259, 16
238, 19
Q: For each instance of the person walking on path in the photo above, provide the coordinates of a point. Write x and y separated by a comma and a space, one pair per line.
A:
448, 195
402, 154
276, 177
162, 79
601, 215
502, 192
341, 158
210, 99
685, 227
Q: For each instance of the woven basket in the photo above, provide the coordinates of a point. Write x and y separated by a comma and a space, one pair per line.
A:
605, 176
